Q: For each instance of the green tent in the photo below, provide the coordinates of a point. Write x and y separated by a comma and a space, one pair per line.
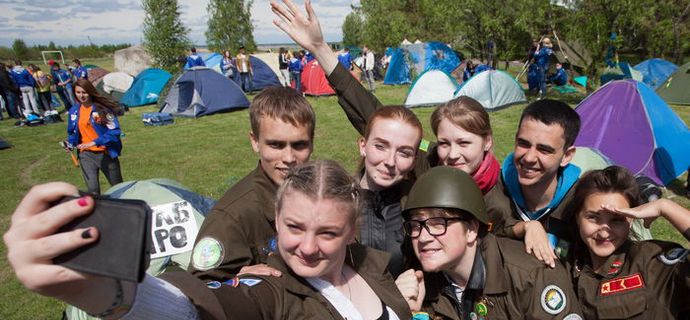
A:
676, 90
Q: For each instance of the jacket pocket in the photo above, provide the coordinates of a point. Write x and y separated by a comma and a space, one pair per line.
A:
622, 306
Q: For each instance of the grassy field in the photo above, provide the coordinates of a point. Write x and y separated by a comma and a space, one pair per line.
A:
207, 155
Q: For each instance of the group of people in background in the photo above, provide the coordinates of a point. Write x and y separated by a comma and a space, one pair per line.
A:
422, 230
27, 91
238, 67
291, 65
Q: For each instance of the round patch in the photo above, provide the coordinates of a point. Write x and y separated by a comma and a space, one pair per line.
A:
473, 316
553, 300
213, 284
481, 309
673, 256
110, 116
207, 254
573, 316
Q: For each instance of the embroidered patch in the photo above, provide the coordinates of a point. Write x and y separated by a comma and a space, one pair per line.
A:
615, 267
481, 309
73, 117
673, 256
553, 300
110, 116
424, 145
572, 316
207, 254
473, 316
623, 284
250, 282
234, 282
213, 284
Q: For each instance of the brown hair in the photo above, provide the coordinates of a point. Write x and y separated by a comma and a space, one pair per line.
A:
464, 112
281, 103
322, 179
394, 113
102, 104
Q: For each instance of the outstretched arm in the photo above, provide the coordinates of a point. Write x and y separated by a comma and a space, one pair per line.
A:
678, 216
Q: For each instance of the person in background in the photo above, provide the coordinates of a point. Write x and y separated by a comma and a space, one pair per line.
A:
469, 70
283, 64
226, 65
63, 84
26, 84
194, 60
79, 71
244, 67
43, 83
560, 78
368, 68
617, 277
542, 54
295, 68
345, 59
94, 130
9, 93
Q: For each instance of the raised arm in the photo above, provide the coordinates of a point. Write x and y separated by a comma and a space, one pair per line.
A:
678, 216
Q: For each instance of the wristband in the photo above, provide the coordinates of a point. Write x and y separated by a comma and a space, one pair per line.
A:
420, 316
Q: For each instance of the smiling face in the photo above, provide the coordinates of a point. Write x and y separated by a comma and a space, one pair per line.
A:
82, 96
446, 252
280, 145
603, 232
388, 152
539, 152
313, 234
459, 148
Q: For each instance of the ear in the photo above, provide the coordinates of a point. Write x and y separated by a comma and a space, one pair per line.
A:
473, 231
568, 156
361, 142
488, 143
255, 141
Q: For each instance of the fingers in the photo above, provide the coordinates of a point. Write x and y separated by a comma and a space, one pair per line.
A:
281, 12
49, 221
47, 248
311, 16
261, 270
294, 10
40, 197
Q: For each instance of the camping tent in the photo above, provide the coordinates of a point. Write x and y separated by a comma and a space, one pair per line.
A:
262, 75
655, 71
431, 87
146, 87
132, 60
676, 89
271, 60
573, 55
117, 81
619, 71
420, 57
96, 74
494, 89
314, 80
588, 159
201, 91
631, 125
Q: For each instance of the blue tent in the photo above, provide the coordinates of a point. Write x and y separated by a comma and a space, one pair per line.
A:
422, 57
263, 75
201, 91
146, 88
655, 71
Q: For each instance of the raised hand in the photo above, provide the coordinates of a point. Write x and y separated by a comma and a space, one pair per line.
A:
411, 285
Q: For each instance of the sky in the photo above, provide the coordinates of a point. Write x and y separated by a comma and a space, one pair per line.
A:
119, 21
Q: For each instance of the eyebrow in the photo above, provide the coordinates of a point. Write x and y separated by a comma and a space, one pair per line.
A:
546, 147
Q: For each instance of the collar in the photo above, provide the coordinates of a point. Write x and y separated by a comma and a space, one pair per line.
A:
567, 177
264, 185
611, 267
496, 281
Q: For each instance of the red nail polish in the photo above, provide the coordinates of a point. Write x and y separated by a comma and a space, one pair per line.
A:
83, 202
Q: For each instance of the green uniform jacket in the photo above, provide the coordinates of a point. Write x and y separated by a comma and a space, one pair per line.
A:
288, 296
359, 104
242, 224
505, 283
641, 280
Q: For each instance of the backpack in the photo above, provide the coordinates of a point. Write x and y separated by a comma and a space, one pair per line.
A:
43, 80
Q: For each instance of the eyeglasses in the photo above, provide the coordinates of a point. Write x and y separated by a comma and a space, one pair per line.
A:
436, 226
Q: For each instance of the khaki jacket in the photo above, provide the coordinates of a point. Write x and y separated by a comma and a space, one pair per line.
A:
288, 296
505, 283
641, 280
242, 222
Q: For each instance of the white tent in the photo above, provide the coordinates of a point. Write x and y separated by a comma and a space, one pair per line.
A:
493, 89
132, 60
117, 81
271, 59
430, 88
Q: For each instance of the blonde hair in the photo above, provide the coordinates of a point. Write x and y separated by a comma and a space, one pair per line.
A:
465, 113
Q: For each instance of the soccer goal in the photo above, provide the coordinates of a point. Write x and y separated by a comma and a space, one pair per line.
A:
55, 55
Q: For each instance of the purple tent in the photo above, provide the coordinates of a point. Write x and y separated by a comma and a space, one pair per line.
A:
630, 124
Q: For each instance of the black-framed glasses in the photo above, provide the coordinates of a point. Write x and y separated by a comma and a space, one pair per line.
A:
436, 226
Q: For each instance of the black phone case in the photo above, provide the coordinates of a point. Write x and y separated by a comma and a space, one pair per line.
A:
122, 249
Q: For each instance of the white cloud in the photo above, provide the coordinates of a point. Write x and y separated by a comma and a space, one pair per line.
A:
115, 21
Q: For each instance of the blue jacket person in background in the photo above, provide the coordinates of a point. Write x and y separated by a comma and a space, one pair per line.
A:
559, 78
195, 60
94, 130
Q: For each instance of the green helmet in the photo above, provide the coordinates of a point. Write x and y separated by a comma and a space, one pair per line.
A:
446, 187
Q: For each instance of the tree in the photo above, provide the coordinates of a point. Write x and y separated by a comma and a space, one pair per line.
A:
165, 37
352, 28
20, 49
230, 25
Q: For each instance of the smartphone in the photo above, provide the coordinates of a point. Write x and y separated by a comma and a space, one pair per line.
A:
122, 249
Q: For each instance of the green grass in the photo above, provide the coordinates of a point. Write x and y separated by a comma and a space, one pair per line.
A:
207, 155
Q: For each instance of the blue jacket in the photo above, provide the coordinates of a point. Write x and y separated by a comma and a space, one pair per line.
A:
61, 75
346, 60
108, 134
81, 73
22, 77
295, 65
542, 57
195, 60
225, 66
559, 78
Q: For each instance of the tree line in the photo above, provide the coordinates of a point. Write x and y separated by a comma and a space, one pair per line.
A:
20, 50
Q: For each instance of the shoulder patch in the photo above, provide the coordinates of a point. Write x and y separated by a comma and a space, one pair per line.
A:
622, 284
250, 282
673, 256
573, 316
424, 145
73, 116
213, 284
110, 116
207, 254
553, 300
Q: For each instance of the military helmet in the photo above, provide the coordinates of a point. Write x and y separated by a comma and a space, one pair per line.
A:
446, 187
